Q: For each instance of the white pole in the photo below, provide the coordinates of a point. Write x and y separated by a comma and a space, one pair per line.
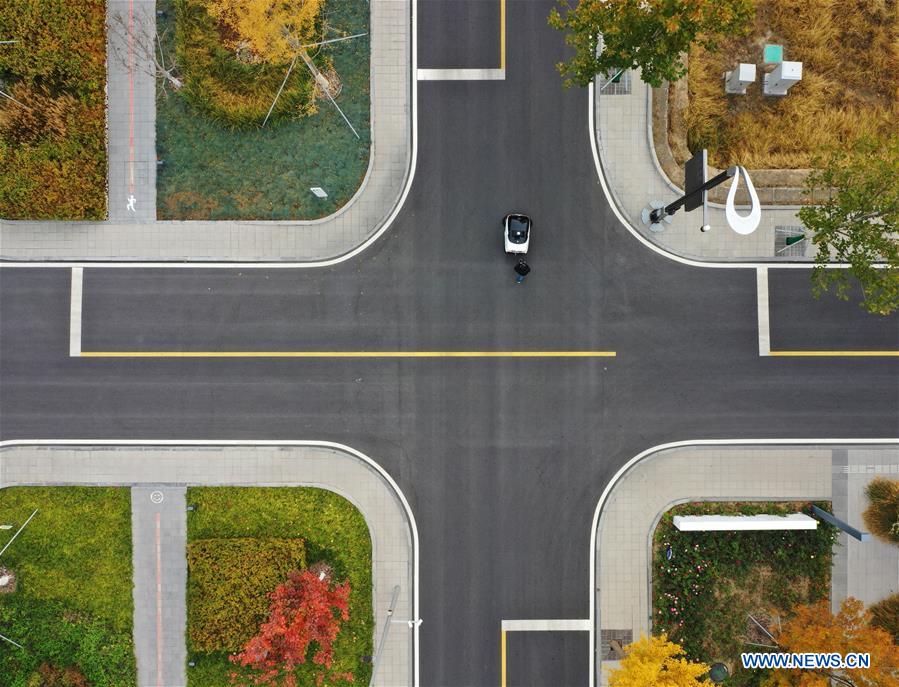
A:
18, 533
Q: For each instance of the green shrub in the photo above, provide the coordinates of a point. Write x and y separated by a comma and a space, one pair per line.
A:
334, 532
61, 44
885, 615
229, 585
52, 633
882, 516
53, 154
224, 89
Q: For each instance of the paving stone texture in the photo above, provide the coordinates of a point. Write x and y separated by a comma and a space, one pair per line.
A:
136, 236
623, 128
160, 584
668, 477
169, 469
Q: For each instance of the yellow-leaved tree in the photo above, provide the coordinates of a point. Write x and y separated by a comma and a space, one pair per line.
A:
269, 31
656, 662
814, 628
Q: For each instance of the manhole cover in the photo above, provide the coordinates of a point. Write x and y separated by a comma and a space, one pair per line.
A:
156, 497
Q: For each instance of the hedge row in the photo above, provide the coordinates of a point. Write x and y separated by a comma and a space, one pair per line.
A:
229, 582
53, 146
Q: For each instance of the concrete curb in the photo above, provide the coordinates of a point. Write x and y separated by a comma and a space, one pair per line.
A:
34, 462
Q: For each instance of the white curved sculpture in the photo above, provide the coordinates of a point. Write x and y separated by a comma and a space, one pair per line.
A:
743, 224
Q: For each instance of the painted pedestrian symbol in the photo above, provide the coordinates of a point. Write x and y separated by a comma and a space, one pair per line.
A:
131, 201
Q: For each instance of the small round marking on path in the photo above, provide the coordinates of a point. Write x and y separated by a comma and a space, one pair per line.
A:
156, 497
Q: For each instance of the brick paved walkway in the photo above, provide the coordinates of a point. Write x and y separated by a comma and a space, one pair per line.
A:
135, 236
146, 466
624, 138
670, 476
868, 571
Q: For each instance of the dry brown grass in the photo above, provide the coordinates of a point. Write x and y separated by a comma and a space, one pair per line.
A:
850, 83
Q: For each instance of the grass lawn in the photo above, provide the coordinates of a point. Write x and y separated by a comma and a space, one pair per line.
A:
73, 600
850, 78
212, 172
333, 531
701, 597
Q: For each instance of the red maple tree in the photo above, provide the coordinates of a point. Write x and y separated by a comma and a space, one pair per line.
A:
304, 609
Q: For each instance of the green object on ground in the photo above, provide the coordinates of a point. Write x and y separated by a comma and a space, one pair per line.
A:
718, 673
702, 596
213, 172
73, 601
773, 54
334, 531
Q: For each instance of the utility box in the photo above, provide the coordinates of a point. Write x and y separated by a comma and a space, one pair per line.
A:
785, 76
738, 80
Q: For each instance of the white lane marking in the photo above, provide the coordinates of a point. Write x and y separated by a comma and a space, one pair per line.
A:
558, 625
461, 74
159, 682
761, 281
75, 313
592, 590
244, 442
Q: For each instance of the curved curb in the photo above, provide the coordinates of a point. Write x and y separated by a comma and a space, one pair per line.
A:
197, 443
327, 262
693, 262
592, 592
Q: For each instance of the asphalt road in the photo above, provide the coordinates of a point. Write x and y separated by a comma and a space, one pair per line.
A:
503, 461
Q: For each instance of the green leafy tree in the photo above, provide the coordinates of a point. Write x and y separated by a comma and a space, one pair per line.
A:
647, 34
859, 223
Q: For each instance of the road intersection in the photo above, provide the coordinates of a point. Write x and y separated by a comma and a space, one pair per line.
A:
502, 460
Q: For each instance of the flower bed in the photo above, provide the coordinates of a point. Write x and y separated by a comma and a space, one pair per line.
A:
703, 593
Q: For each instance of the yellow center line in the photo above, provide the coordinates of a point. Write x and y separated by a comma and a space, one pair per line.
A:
348, 354
502, 34
502, 658
836, 354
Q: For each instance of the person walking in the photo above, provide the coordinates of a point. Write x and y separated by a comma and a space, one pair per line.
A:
521, 270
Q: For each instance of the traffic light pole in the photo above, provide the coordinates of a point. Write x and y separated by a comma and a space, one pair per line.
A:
659, 214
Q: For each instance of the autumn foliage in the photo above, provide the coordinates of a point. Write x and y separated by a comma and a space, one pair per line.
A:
53, 144
814, 628
882, 516
308, 608
267, 30
657, 662
229, 584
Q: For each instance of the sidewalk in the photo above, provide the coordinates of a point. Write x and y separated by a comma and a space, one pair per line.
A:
158, 545
623, 123
136, 236
676, 475
173, 467
868, 571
